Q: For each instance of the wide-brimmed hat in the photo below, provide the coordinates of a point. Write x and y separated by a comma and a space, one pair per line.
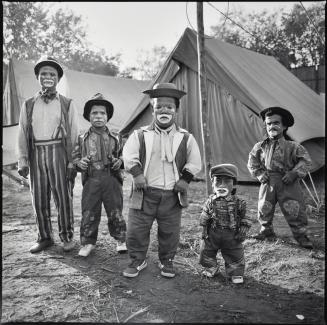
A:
288, 117
229, 170
98, 99
47, 60
165, 89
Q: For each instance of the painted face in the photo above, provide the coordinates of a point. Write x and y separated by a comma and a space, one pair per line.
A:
164, 111
222, 185
48, 77
98, 116
274, 126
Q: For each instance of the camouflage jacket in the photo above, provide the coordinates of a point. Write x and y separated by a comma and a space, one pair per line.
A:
226, 212
287, 156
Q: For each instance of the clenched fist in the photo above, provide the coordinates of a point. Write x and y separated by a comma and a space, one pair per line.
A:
23, 171
116, 163
263, 178
140, 182
83, 163
181, 186
289, 177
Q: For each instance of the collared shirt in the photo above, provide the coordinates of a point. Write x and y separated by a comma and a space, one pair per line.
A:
227, 212
287, 156
132, 151
45, 122
160, 173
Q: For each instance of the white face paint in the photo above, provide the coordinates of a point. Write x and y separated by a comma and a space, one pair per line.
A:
48, 77
164, 111
274, 126
221, 191
222, 185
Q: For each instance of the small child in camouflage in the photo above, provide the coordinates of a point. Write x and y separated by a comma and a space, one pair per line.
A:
225, 225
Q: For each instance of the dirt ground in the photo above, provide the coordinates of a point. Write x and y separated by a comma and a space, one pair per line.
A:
283, 282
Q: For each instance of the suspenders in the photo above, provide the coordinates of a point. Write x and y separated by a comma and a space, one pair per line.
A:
63, 127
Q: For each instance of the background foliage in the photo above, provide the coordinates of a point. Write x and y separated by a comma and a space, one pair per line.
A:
30, 30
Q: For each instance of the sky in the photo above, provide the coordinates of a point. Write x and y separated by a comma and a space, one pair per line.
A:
130, 28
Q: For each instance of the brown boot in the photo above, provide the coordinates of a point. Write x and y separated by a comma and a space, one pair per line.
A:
41, 245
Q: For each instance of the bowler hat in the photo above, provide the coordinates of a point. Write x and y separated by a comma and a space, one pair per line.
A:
288, 117
47, 60
165, 89
229, 170
98, 99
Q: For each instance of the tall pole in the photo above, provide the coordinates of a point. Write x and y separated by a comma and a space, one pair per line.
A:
203, 97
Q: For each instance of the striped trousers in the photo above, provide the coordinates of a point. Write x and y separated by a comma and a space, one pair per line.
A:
48, 175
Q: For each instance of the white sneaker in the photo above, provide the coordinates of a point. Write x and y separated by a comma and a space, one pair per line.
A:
86, 250
210, 272
121, 247
237, 279
68, 246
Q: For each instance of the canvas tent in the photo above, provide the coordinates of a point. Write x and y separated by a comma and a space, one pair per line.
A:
240, 83
80, 86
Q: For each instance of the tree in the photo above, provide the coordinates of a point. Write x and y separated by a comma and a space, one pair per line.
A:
305, 44
290, 38
30, 31
22, 22
148, 63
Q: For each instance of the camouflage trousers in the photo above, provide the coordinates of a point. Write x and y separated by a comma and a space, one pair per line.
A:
291, 202
231, 251
100, 188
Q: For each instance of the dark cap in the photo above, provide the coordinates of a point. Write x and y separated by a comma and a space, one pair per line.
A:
166, 89
288, 118
47, 60
229, 170
98, 99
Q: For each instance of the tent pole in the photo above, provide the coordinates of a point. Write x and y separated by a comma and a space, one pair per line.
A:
206, 145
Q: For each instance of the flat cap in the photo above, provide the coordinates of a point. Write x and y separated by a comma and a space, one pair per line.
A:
229, 170
288, 117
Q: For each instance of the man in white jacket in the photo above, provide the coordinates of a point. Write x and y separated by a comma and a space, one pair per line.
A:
162, 158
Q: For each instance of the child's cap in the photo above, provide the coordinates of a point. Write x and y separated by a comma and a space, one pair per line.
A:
288, 117
98, 99
229, 170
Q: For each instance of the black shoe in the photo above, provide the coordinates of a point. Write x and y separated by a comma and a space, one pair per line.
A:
167, 269
40, 246
265, 234
134, 268
305, 242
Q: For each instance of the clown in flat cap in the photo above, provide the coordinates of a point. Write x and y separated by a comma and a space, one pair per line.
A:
48, 130
162, 158
225, 225
279, 164
97, 155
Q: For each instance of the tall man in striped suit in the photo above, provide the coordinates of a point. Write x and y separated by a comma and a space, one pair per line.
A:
48, 130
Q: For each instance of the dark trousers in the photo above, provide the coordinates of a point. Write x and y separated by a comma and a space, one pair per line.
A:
100, 188
231, 251
48, 176
165, 208
291, 202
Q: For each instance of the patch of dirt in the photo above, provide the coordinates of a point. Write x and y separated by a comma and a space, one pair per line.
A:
283, 282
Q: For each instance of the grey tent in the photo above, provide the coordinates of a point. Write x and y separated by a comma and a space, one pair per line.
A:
80, 86
240, 83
